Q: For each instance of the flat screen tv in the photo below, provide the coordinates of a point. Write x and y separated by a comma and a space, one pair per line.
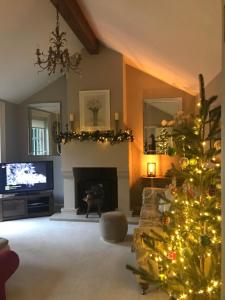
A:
26, 177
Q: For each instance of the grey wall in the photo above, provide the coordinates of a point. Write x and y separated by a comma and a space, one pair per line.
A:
55, 92
11, 132
153, 116
103, 71
99, 72
217, 87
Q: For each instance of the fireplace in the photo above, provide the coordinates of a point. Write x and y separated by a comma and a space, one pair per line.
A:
86, 179
88, 155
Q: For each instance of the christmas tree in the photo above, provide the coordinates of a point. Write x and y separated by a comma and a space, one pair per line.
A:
163, 140
187, 250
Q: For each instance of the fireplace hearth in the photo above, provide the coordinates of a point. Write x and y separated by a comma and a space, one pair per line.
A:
87, 181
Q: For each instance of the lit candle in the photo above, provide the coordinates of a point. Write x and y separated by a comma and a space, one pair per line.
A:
151, 169
71, 117
116, 116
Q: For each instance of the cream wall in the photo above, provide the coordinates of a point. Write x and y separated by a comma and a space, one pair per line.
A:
139, 86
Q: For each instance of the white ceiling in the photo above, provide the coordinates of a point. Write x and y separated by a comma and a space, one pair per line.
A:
172, 40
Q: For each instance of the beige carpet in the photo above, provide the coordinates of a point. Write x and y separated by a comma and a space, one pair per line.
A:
69, 261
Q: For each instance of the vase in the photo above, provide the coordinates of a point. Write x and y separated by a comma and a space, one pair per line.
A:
95, 117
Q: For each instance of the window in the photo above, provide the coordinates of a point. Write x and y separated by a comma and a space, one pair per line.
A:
40, 123
44, 121
40, 137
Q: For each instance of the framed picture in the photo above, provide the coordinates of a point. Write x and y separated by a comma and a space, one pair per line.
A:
94, 110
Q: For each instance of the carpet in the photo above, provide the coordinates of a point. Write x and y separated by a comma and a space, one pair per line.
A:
93, 217
67, 261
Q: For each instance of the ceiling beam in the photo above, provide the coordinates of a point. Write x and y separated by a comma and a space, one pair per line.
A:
71, 12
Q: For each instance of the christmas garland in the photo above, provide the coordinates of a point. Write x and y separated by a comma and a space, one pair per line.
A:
95, 136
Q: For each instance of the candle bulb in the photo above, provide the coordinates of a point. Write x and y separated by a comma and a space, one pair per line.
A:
116, 116
71, 117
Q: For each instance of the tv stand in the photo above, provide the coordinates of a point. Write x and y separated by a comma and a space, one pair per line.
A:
27, 194
26, 205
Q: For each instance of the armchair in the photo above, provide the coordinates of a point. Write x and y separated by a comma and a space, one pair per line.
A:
9, 262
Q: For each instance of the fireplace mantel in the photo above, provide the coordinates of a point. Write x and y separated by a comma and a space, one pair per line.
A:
90, 154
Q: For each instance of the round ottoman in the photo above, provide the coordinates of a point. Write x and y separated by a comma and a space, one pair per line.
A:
113, 226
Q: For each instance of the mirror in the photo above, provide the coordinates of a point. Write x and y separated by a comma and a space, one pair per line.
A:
156, 110
44, 124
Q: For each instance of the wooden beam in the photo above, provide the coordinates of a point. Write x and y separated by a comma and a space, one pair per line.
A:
71, 12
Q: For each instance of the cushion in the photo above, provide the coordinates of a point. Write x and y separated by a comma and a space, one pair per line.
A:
4, 244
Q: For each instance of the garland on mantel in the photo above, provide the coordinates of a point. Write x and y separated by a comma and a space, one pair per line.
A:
95, 136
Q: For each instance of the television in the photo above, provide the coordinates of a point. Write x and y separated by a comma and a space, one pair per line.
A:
26, 177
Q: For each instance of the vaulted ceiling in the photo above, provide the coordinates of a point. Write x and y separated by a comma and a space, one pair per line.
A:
24, 26
171, 40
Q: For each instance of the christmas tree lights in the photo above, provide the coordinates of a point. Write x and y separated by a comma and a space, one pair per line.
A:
187, 250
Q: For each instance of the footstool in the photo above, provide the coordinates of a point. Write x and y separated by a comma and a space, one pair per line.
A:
113, 226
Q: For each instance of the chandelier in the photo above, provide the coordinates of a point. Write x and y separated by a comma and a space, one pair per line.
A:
58, 57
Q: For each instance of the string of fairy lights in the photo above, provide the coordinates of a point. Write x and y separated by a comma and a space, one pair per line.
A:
184, 256
175, 251
95, 136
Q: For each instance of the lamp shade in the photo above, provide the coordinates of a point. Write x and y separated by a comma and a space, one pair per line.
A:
151, 169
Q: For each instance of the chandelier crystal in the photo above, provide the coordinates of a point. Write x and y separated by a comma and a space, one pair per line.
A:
58, 57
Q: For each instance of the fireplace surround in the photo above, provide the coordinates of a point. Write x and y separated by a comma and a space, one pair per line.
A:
88, 154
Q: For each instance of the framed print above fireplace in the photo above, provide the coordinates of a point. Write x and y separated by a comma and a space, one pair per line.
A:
94, 110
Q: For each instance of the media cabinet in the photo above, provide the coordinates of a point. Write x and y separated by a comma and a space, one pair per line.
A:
26, 206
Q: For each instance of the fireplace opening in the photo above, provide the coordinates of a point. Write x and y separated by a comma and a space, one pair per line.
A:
98, 183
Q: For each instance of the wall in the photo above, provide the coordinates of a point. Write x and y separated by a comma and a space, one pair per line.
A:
153, 116
99, 72
103, 71
217, 87
8, 132
2, 131
55, 92
106, 71
11, 132
139, 86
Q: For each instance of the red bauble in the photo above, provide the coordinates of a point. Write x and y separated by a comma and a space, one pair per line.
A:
172, 255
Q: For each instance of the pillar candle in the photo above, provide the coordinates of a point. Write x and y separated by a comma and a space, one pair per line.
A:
116, 116
71, 117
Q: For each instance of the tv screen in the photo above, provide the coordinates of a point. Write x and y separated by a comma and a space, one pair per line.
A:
25, 177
